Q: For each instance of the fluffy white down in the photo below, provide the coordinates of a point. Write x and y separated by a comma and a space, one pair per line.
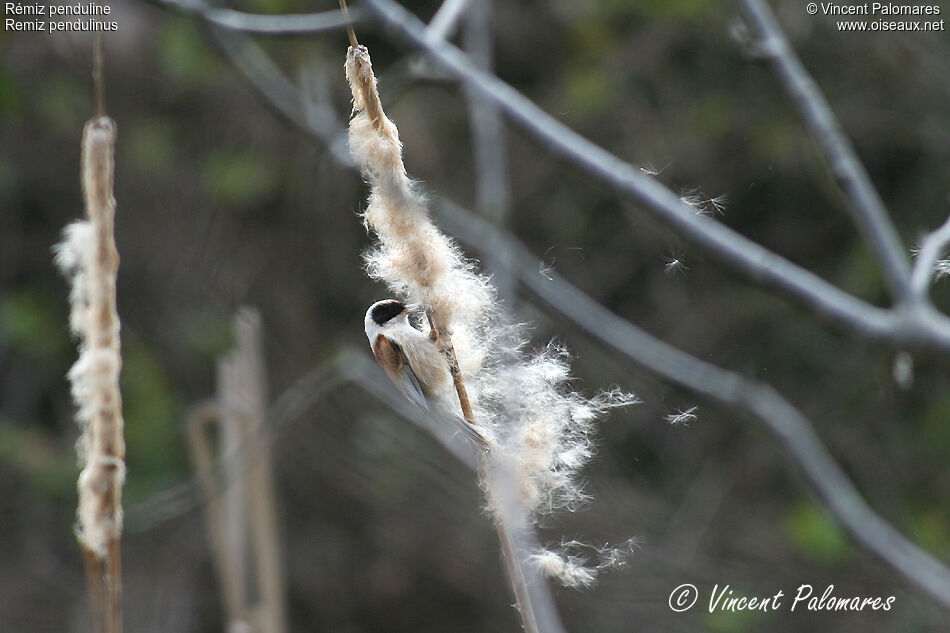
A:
524, 398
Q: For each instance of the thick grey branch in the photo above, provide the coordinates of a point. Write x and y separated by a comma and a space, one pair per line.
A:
866, 206
289, 24
744, 255
446, 19
493, 191
790, 427
280, 93
761, 401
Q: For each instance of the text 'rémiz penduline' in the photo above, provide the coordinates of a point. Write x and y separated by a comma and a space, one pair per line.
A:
26, 12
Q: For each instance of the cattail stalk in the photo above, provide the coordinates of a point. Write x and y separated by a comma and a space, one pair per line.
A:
88, 256
398, 215
426, 260
240, 508
539, 429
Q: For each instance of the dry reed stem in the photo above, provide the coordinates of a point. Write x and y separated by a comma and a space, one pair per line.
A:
251, 389
515, 574
88, 257
202, 456
240, 507
366, 100
349, 29
424, 258
443, 341
96, 589
95, 375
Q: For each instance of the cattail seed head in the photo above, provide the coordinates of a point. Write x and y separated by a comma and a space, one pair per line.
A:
540, 428
89, 259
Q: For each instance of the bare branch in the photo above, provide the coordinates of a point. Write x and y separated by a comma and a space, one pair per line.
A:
792, 429
921, 328
493, 191
289, 24
761, 401
282, 95
446, 19
867, 209
924, 328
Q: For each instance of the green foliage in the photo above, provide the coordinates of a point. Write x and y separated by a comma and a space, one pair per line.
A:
50, 469
63, 103
271, 6
152, 422
151, 147
589, 90
737, 621
239, 178
8, 177
936, 431
207, 332
858, 273
183, 53
10, 94
712, 114
932, 530
30, 322
815, 534
691, 9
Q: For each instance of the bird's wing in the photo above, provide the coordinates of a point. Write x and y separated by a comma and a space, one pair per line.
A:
471, 431
394, 362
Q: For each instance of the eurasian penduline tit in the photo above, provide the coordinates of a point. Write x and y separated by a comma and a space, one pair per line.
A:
412, 361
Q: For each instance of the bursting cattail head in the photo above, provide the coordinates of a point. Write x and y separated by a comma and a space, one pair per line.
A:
88, 258
542, 426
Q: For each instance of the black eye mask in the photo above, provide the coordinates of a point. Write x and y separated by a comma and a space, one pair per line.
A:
385, 312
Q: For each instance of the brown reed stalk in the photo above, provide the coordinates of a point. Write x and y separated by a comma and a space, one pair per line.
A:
349, 29
366, 100
428, 266
239, 497
443, 341
89, 258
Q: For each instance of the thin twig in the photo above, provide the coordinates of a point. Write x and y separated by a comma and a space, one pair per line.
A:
488, 136
443, 341
349, 29
96, 588
277, 25
868, 210
113, 569
98, 76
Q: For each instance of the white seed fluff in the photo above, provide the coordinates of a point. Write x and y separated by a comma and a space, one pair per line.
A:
87, 257
539, 425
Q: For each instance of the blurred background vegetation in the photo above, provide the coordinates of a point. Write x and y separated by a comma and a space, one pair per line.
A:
222, 203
